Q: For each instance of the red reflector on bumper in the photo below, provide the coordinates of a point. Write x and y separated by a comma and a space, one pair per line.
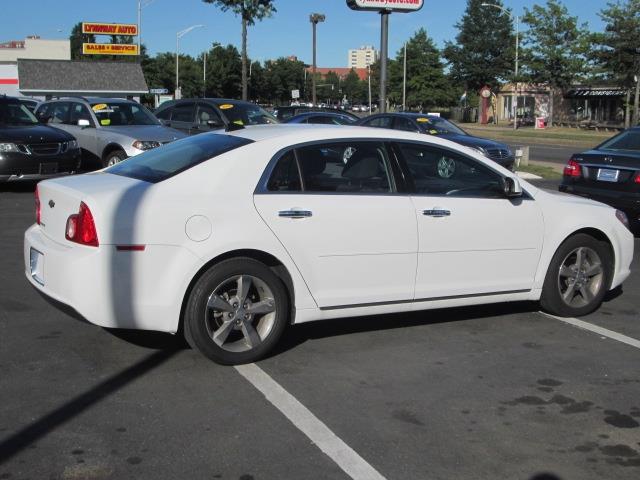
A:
130, 248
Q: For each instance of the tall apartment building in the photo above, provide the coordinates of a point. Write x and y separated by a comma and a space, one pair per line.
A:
362, 57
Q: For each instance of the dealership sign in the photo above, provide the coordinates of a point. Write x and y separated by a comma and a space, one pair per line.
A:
92, 28
109, 49
386, 5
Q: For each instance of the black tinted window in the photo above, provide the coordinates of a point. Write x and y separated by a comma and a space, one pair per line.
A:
285, 177
361, 167
59, 112
629, 140
163, 162
164, 114
183, 113
207, 114
79, 112
380, 122
441, 172
402, 123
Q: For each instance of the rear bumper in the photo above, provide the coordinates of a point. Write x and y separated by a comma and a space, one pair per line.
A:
110, 288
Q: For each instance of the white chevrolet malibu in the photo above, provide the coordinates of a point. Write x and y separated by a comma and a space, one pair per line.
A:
228, 238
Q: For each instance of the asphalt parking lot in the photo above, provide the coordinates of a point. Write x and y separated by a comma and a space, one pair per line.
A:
499, 391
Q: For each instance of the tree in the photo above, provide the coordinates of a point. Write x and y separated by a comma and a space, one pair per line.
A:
249, 11
352, 87
427, 85
282, 76
616, 49
76, 39
484, 51
554, 47
223, 72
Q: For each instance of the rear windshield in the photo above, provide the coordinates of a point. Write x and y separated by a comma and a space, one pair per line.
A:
629, 140
163, 162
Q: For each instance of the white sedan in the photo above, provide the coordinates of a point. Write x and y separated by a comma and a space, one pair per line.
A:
228, 238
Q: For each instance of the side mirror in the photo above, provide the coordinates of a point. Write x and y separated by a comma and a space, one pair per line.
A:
43, 118
511, 187
84, 123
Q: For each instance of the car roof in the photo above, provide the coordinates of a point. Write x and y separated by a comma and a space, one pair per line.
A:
92, 100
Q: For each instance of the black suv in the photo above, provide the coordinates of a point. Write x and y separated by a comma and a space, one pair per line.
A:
29, 150
197, 115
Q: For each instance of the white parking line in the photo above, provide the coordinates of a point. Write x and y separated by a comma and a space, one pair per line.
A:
595, 329
343, 455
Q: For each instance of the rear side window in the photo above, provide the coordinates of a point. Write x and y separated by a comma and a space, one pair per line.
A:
286, 176
379, 122
164, 162
184, 113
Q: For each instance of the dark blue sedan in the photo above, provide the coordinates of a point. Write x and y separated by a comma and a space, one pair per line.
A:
609, 173
323, 118
434, 125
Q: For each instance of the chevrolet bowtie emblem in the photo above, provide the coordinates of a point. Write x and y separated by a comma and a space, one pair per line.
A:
52, 204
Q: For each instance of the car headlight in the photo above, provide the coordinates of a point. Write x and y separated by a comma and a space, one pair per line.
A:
145, 144
8, 147
72, 145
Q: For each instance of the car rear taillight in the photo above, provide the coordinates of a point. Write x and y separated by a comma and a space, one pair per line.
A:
37, 202
81, 227
636, 179
572, 169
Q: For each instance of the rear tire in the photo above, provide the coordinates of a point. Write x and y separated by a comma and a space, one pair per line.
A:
113, 158
578, 277
236, 312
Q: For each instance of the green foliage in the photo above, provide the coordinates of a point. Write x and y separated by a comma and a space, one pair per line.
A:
249, 10
427, 85
76, 39
280, 77
554, 45
483, 53
354, 89
223, 72
616, 49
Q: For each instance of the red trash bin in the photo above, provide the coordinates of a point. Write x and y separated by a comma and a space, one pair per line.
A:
540, 122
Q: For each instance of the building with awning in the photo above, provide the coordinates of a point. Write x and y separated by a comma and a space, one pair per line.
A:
47, 79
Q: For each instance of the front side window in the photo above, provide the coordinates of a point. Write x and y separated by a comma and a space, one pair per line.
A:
59, 112
79, 112
402, 123
358, 167
208, 117
113, 114
246, 113
438, 172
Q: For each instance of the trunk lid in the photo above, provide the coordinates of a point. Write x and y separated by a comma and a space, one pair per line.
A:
609, 170
109, 197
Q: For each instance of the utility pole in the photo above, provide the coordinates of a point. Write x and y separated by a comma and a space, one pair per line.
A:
179, 35
404, 80
384, 54
141, 4
369, 69
204, 75
314, 18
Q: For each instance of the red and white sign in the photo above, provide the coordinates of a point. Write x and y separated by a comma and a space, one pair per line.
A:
95, 28
386, 5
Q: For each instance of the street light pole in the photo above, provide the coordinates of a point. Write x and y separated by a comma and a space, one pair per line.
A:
179, 35
384, 54
141, 4
369, 70
314, 18
404, 80
514, 105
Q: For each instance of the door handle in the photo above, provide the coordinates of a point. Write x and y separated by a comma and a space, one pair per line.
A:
295, 213
437, 212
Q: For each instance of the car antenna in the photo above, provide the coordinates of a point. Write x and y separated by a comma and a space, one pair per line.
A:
233, 126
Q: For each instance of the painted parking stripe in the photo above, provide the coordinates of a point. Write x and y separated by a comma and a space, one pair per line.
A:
305, 421
595, 329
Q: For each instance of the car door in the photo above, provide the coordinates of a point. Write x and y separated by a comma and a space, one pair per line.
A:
183, 117
207, 119
335, 208
85, 135
472, 238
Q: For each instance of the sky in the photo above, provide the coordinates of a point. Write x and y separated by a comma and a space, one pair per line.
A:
288, 32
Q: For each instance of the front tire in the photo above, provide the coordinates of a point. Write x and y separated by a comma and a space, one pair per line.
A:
236, 312
578, 277
113, 158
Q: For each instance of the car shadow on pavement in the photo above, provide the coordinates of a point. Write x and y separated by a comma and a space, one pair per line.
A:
150, 340
298, 334
77, 405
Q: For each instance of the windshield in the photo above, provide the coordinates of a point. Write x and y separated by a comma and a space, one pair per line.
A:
629, 140
121, 113
163, 162
246, 114
439, 126
16, 114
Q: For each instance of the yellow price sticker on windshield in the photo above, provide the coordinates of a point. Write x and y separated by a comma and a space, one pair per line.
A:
99, 106
422, 120
225, 106
238, 122
433, 132
105, 122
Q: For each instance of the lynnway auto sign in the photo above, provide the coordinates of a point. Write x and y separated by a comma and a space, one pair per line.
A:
94, 28
386, 5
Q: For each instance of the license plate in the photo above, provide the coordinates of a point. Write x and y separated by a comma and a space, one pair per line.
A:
37, 265
48, 168
608, 175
